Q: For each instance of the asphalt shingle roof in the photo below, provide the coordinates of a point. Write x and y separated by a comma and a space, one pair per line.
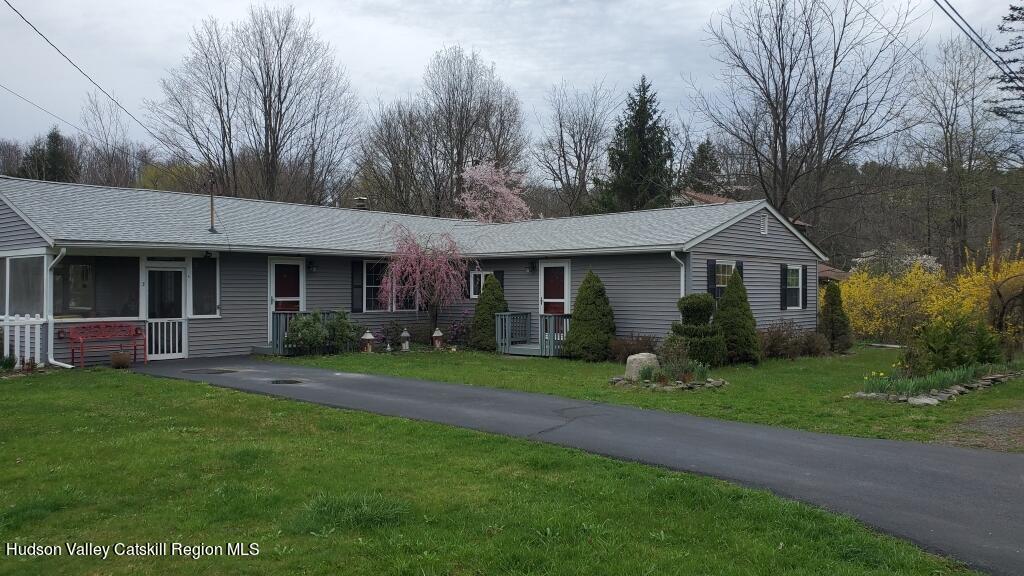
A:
83, 214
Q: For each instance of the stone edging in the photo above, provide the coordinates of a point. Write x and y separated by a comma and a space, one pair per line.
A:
677, 385
935, 396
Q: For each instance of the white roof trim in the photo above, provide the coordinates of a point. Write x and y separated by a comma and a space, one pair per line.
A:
752, 210
43, 235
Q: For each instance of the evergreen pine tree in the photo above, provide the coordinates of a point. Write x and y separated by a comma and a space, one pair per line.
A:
490, 302
593, 322
736, 321
704, 173
833, 322
1011, 104
52, 158
639, 156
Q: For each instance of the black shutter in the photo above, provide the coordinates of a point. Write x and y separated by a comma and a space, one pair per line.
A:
803, 290
499, 275
739, 267
711, 279
469, 282
783, 273
357, 286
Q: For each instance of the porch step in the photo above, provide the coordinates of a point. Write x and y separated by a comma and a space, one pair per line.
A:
524, 350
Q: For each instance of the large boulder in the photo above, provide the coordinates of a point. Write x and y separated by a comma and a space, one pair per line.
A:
636, 362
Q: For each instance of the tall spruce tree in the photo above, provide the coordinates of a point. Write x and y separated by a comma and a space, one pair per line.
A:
737, 323
704, 173
639, 156
1011, 103
54, 158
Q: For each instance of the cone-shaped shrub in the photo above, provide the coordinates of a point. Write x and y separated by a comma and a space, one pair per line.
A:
833, 322
737, 323
490, 302
593, 323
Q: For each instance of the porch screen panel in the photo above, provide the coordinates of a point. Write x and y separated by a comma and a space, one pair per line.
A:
96, 287
204, 286
3, 286
26, 285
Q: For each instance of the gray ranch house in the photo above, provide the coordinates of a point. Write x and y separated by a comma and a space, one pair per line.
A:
75, 254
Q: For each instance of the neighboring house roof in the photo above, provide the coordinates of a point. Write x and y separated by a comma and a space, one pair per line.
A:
826, 272
704, 198
85, 215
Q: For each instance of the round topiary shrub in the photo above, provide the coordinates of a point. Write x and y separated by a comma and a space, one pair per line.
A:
704, 344
737, 323
833, 323
696, 309
593, 323
491, 302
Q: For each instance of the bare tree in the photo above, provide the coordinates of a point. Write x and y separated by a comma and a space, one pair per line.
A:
959, 134
414, 153
110, 157
571, 151
262, 104
11, 153
808, 85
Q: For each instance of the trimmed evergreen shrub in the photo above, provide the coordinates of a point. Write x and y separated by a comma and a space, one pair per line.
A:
491, 302
704, 344
593, 323
833, 322
306, 334
736, 321
342, 334
696, 309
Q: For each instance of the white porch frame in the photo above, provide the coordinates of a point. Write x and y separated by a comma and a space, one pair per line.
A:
301, 261
567, 264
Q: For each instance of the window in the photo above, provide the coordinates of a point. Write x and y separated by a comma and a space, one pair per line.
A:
794, 285
96, 287
26, 285
764, 223
476, 282
373, 278
723, 271
205, 287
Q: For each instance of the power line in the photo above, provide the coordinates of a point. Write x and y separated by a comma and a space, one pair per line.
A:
979, 42
79, 68
44, 110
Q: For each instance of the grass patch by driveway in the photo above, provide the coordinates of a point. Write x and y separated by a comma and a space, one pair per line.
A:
806, 393
102, 456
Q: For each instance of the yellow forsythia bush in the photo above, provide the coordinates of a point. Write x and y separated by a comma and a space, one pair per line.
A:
890, 308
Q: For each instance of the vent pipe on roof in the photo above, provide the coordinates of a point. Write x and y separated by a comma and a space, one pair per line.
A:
212, 182
360, 202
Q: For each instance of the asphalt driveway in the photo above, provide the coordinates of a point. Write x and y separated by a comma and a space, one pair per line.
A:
963, 503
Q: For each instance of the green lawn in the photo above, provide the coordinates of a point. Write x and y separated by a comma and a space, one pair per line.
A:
805, 393
110, 457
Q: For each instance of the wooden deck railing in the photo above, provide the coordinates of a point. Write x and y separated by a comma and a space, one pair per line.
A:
553, 328
279, 329
511, 328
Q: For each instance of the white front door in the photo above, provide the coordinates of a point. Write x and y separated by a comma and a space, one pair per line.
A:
287, 288
166, 328
555, 287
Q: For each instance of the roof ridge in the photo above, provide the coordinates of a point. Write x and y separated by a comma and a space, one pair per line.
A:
236, 198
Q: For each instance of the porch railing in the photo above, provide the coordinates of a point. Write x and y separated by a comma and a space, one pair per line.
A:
22, 338
511, 328
279, 322
553, 328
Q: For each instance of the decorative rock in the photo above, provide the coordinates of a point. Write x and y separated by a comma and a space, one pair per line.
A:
616, 380
637, 362
942, 397
922, 401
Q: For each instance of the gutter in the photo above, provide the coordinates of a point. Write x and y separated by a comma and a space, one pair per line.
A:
682, 273
50, 323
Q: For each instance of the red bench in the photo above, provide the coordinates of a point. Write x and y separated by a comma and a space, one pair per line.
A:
99, 336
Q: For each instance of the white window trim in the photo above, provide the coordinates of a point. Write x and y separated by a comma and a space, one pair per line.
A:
189, 296
567, 280
483, 274
7, 278
391, 307
799, 286
729, 262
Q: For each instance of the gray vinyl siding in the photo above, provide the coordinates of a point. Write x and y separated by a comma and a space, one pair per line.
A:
243, 310
15, 233
643, 290
762, 256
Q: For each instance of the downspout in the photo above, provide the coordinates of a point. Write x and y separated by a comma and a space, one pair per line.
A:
682, 273
49, 304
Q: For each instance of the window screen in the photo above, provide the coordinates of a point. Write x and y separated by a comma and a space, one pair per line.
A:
204, 286
26, 285
96, 287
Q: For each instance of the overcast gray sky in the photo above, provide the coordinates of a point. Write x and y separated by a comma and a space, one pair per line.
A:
127, 45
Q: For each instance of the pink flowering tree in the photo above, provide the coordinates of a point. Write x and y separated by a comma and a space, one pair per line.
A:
428, 272
493, 194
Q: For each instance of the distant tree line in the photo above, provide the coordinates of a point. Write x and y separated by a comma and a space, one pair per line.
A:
830, 109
